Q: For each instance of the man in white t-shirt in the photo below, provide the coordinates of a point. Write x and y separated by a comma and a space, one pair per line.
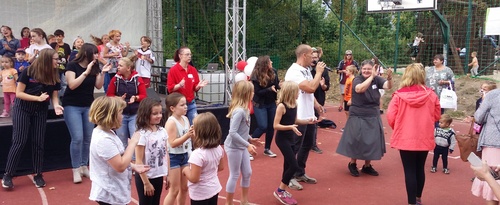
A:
306, 103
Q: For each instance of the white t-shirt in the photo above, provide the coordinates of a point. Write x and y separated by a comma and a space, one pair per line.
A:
155, 148
209, 185
305, 102
417, 41
143, 67
108, 185
31, 50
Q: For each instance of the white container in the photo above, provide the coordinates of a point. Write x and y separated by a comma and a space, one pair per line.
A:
214, 91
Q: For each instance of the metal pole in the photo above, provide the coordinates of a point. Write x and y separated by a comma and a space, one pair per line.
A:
397, 42
339, 57
178, 27
467, 37
300, 23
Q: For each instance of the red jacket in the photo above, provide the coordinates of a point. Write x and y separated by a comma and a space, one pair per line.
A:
191, 79
411, 114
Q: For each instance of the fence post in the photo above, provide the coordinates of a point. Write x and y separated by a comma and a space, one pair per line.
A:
397, 42
467, 38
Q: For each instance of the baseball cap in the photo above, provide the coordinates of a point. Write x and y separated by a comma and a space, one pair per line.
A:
20, 50
348, 52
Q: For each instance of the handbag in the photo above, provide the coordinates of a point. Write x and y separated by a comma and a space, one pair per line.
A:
448, 98
467, 143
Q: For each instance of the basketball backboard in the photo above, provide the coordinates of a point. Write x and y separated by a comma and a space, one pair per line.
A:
378, 6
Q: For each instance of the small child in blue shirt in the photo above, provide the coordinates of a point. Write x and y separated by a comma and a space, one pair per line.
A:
20, 63
445, 142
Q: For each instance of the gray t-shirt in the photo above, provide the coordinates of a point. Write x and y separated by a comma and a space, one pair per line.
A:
239, 129
433, 76
368, 102
108, 185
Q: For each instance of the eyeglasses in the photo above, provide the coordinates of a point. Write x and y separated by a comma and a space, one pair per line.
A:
187, 54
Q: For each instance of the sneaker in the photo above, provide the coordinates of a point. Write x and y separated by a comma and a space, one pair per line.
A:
433, 169
84, 170
38, 181
4, 114
251, 158
77, 176
419, 201
269, 153
342, 130
7, 182
446, 171
369, 170
317, 150
284, 197
307, 179
353, 169
294, 184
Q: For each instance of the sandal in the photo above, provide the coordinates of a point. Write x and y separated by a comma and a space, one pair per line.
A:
341, 108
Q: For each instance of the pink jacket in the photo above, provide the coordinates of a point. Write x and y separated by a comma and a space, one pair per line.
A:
411, 114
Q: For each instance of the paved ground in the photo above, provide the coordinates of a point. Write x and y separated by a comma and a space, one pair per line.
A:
335, 185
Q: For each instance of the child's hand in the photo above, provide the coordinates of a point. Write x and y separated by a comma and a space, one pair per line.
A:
140, 168
166, 183
256, 142
295, 130
451, 151
252, 149
149, 190
43, 97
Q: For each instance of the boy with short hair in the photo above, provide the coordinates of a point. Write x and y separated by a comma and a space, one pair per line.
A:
474, 64
20, 62
145, 60
62, 48
445, 142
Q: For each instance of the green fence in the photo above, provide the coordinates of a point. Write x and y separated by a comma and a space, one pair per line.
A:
276, 27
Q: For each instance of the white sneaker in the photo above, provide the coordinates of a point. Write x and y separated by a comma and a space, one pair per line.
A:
251, 158
84, 171
294, 184
77, 177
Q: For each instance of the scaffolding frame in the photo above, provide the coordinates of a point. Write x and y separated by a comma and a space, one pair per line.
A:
235, 41
155, 29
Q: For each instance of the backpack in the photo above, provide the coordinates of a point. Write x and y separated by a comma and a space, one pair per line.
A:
327, 123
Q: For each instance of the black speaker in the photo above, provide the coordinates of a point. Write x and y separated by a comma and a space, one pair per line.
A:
162, 89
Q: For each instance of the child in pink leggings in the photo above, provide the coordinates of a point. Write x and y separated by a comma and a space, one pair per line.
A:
8, 80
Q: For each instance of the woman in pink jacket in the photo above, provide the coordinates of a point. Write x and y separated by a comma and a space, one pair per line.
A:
411, 113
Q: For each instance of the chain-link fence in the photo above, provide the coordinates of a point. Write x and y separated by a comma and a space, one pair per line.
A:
276, 27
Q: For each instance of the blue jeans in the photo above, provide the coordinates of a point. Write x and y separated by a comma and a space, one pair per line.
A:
127, 129
192, 111
80, 129
264, 115
107, 79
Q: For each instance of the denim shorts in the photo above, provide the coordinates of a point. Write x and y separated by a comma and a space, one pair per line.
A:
178, 160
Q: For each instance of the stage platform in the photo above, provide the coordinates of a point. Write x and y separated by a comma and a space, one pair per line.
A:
57, 138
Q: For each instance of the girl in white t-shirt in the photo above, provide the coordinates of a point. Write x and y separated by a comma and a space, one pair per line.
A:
179, 145
39, 43
151, 150
205, 161
110, 167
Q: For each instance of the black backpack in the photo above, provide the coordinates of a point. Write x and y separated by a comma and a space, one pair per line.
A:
327, 123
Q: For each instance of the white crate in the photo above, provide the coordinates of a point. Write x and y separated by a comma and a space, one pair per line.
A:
214, 91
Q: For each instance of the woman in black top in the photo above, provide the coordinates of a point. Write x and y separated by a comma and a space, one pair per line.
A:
37, 86
83, 75
266, 83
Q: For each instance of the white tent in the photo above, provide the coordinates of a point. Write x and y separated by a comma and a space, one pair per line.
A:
78, 17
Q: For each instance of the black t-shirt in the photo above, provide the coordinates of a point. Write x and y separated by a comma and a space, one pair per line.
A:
319, 93
367, 103
83, 95
33, 87
63, 52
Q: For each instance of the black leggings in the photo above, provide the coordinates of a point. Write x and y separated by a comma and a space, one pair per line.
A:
413, 165
146, 200
290, 164
443, 151
211, 201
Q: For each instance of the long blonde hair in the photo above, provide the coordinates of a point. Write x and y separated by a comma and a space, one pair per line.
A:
242, 93
288, 94
414, 75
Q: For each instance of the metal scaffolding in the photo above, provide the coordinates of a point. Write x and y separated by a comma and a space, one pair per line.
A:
155, 29
235, 39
